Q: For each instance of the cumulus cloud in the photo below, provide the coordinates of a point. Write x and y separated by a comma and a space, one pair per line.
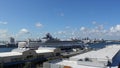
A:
3, 34
38, 25
115, 28
99, 27
114, 32
83, 29
61, 32
3, 31
24, 31
98, 32
3, 22
22, 34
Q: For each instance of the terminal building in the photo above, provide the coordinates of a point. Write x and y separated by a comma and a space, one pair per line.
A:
19, 56
102, 58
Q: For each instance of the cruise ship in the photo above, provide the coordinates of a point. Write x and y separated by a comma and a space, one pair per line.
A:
37, 51
49, 41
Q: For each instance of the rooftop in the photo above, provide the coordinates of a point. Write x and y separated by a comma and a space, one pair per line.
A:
73, 64
106, 53
20, 50
45, 49
7, 54
109, 52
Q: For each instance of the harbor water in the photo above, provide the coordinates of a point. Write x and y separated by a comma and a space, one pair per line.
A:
95, 45
6, 49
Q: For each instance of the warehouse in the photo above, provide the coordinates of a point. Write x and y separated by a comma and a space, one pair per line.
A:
101, 58
23, 55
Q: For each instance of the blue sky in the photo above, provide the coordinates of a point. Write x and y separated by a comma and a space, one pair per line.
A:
63, 18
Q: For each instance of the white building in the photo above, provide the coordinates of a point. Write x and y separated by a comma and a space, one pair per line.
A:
22, 55
94, 59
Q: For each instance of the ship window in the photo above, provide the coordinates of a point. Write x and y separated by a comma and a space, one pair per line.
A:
80, 59
87, 59
30, 56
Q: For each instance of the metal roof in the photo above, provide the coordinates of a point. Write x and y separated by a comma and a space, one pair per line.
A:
7, 54
73, 64
106, 53
20, 50
102, 54
45, 49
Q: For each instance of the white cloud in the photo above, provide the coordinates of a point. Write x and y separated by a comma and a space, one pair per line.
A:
114, 32
3, 34
61, 32
3, 31
23, 31
99, 27
115, 28
3, 22
83, 29
39, 25
97, 32
22, 34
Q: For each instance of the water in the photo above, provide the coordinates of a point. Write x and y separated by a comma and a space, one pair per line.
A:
102, 45
5, 49
116, 59
96, 46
